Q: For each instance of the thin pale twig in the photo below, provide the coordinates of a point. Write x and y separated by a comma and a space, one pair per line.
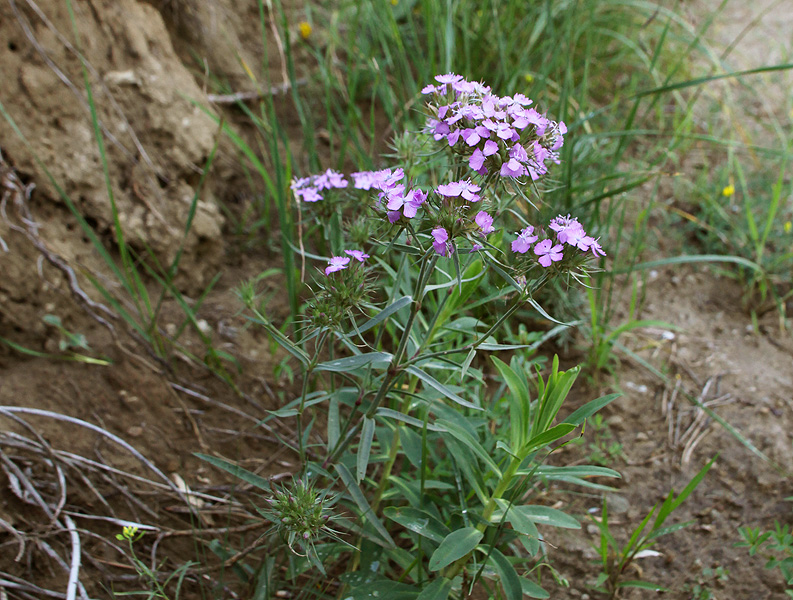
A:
74, 570
18, 536
107, 434
57, 558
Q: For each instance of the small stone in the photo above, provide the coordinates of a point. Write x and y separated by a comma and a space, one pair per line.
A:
135, 431
617, 504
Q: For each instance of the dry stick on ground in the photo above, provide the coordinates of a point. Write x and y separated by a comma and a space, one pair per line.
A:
26, 490
30, 495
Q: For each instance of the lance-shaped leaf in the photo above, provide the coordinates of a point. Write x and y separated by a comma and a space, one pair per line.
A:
363, 505
439, 387
383, 314
364, 448
350, 363
454, 546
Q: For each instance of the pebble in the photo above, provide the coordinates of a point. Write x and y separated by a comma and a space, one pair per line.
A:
135, 431
617, 504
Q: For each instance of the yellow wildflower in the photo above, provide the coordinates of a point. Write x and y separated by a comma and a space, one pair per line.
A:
130, 532
728, 191
305, 29
788, 226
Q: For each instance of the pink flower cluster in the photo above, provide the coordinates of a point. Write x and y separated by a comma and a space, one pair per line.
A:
568, 232
339, 263
495, 132
308, 189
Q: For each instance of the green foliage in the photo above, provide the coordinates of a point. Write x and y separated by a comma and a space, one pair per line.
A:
776, 545
601, 448
615, 558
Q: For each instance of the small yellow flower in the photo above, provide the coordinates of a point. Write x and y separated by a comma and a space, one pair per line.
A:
528, 77
728, 191
130, 532
305, 29
788, 227
394, 2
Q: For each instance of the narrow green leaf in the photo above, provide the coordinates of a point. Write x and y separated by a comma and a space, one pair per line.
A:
439, 387
497, 347
237, 471
437, 590
350, 363
363, 505
541, 310
467, 363
383, 314
393, 414
532, 590
365, 447
463, 436
545, 515
552, 472
507, 575
543, 439
590, 408
454, 546
334, 426
418, 521
644, 585
520, 522
665, 512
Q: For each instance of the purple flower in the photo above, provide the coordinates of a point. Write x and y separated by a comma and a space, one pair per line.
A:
330, 179
475, 247
450, 190
441, 244
524, 241
363, 180
337, 263
485, 222
594, 245
463, 188
564, 227
512, 168
357, 255
576, 236
477, 159
448, 78
490, 148
428, 89
469, 191
548, 253
521, 99
309, 194
505, 132
409, 203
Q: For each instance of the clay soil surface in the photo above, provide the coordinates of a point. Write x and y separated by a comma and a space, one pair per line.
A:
86, 447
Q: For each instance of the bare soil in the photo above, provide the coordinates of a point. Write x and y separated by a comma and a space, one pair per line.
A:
142, 54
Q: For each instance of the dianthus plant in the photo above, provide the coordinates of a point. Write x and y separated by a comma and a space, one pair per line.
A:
437, 445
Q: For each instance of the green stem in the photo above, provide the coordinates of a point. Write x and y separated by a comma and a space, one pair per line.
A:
490, 507
393, 373
304, 391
